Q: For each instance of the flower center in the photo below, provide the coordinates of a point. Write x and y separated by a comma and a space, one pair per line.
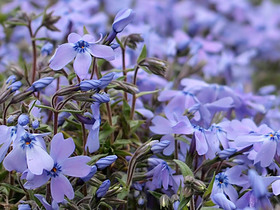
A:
55, 170
27, 140
222, 180
81, 46
273, 136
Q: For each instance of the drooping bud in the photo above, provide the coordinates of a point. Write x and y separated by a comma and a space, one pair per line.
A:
196, 185
106, 161
47, 49
175, 200
87, 85
125, 86
40, 84
154, 65
103, 188
159, 147
101, 98
23, 119
67, 90
105, 80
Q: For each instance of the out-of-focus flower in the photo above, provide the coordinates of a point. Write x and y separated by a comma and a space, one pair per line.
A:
81, 47
221, 200
23, 119
47, 49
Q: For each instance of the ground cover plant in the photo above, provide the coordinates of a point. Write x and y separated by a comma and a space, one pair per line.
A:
139, 104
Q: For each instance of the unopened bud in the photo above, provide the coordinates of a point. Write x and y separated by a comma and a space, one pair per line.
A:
103, 188
164, 201
23, 119
15, 86
40, 84
132, 40
106, 161
91, 174
122, 19
159, 147
47, 49
35, 124
105, 80
224, 154
141, 201
11, 79
125, 86
154, 65
21, 96
101, 98
196, 185
87, 85
67, 90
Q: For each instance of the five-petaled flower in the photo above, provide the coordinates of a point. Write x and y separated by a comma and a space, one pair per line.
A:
81, 47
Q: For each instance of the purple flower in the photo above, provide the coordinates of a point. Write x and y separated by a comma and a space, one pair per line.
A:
8, 135
90, 175
47, 49
224, 180
44, 202
93, 136
62, 165
159, 147
162, 175
82, 48
103, 188
29, 151
15, 86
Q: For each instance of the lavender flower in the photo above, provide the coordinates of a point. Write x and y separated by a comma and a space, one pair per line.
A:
159, 147
47, 49
15, 86
82, 48
29, 151
62, 165
221, 200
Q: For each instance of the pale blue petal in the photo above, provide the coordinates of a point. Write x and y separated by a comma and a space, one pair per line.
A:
76, 166
16, 160
101, 51
81, 64
73, 37
63, 55
61, 186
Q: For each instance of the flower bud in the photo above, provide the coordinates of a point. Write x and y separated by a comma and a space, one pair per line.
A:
11, 119
49, 20
11, 79
24, 207
122, 19
125, 86
91, 174
159, 147
15, 86
41, 84
87, 85
101, 98
67, 90
21, 96
141, 201
196, 185
154, 65
106, 161
23, 119
164, 201
103, 188
105, 80
35, 124
224, 154
132, 40
47, 49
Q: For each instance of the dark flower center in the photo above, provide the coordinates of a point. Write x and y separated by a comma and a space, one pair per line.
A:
81, 46
55, 170
27, 140
222, 180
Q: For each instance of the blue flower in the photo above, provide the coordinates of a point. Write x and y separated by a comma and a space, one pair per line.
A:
106, 161
82, 48
62, 165
29, 151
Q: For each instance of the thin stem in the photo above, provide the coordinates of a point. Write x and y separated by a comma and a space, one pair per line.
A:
109, 114
176, 155
93, 68
34, 51
124, 70
5, 114
192, 204
134, 95
84, 134
55, 122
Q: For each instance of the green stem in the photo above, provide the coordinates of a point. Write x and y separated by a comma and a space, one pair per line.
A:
134, 95
124, 70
